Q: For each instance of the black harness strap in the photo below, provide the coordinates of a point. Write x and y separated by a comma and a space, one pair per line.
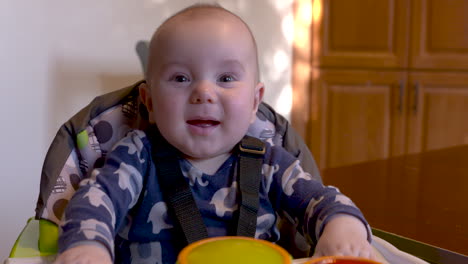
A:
250, 173
179, 197
177, 192
175, 188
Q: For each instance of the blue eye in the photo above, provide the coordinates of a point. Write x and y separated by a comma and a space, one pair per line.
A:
180, 78
226, 78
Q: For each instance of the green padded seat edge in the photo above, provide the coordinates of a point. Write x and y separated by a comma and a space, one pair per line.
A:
31, 243
48, 237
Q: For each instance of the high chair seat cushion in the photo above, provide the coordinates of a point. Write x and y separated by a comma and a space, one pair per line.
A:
81, 144
27, 246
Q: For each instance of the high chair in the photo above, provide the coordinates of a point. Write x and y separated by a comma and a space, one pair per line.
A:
82, 143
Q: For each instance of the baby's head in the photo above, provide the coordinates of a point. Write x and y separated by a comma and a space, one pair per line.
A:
203, 87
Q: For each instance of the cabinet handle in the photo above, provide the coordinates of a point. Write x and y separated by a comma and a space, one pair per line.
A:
400, 96
416, 98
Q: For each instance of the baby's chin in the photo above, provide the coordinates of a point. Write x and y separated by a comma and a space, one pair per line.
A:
198, 155
205, 148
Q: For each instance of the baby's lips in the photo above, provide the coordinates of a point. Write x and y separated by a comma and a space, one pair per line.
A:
202, 122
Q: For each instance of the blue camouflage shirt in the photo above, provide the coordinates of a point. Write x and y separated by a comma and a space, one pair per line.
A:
121, 205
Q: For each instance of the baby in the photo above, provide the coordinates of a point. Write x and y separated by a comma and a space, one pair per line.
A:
202, 93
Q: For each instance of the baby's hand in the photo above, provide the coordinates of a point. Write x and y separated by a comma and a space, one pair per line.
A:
344, 235
84, 254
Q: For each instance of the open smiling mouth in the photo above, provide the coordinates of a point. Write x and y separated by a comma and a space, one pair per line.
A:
203, 123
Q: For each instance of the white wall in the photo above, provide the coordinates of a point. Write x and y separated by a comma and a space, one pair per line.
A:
55, 56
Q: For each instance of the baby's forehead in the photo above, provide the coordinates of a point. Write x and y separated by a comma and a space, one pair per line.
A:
212, 22
207, 15
183, 21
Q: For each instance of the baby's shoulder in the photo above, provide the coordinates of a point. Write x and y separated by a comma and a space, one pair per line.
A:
133, 139
277, 155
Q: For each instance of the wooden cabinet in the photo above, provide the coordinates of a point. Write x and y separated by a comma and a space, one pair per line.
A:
389, 77
439, 34
422, 34
361, 116
361, 33
438, 111
367, 115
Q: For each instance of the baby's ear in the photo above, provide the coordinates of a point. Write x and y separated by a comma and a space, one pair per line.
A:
145, 95
258, 96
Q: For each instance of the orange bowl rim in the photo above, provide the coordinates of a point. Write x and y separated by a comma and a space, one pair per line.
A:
182, 259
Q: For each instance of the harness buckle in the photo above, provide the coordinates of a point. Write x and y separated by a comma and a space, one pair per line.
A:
252, 146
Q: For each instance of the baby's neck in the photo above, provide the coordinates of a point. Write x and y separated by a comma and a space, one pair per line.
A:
209, 165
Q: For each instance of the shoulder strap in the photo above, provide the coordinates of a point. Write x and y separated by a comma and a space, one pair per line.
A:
252, 151
176, 190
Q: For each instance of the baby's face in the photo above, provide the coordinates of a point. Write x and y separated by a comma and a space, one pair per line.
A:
203, 84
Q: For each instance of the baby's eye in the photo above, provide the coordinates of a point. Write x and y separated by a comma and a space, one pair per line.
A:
180, 78
226, 78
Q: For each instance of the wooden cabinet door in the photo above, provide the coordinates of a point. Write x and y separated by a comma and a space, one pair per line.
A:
360, 33
356, 116
439, 35
438, 111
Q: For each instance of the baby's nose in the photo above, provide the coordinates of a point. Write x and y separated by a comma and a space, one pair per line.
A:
203, 92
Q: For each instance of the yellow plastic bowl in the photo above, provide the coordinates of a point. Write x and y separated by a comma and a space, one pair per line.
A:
341, 260
233, 250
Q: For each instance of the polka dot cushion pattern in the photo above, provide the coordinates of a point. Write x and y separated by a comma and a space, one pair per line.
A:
104, 129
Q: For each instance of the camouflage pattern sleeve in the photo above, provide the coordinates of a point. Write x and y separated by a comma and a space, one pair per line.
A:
100, 204
296, 194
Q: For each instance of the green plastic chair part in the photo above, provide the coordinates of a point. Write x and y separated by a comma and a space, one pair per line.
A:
48, 237
27, 244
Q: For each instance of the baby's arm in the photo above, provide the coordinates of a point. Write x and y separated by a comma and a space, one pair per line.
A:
326, 217
344, 235
91, 253
101, 203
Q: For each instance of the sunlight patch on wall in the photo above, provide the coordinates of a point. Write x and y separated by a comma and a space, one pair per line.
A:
317, 11
301, 79
281, 5
287, 26
316, 47
303, 22
284, 102
277, 59
281, 61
